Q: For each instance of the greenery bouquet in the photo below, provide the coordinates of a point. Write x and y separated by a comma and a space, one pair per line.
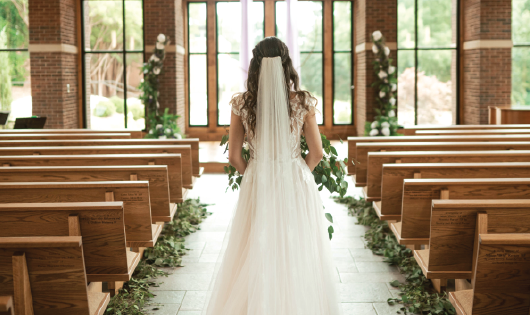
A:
385, 123
330, 172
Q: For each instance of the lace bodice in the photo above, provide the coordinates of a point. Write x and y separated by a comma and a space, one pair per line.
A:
298, 115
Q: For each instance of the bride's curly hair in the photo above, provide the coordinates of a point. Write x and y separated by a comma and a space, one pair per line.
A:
268, 48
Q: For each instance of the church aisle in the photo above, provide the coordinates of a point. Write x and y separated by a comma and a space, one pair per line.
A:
363, 277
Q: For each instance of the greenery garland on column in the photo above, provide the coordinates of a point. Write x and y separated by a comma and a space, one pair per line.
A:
160, 126
330, 171
385, 123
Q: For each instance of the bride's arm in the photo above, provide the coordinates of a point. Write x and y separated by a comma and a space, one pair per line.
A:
314, 142
235, 145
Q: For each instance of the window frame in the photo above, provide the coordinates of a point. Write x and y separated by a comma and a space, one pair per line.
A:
352, 59
416, 49
123, 52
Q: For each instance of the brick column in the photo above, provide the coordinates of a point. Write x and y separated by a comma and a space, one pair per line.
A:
487, 57
370, 16
53, 58
166, 17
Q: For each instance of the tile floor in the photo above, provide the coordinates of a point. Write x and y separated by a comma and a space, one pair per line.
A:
363, 277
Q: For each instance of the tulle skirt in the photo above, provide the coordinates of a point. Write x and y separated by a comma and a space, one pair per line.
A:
277, 261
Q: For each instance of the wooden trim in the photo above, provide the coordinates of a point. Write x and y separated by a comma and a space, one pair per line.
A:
327, 16
79, 34
60, 48
212, 65
270, 18
461, 81
186, 67
169, 49
368, 46
485, 43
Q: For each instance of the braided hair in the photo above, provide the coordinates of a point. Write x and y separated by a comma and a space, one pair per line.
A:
268, 48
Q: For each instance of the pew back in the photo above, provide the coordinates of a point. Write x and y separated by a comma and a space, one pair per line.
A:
411, 130
157, 176
473, 132
134, 194
172, 161
136, 134
64, 136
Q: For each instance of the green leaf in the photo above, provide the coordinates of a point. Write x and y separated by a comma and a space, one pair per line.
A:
324, 178
329, 217
330, 229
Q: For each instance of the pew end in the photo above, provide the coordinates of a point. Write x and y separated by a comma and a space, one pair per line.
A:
384, 217
396, 228
6, 305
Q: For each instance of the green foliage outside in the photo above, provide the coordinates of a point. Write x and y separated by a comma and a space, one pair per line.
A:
104, 109
135, 295
330, 172
417, 294
521, 55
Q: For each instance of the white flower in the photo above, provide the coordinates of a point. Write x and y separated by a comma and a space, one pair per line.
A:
382, 74
387, 51
160, 45
168, 130
394, 87
374, 132
154, 58
236, 173
156, 70
375, 49
159, 126
391, 69
377, 35
245, 146
392, 101
382, 94
385, 125
151, 131
161, 38
177, 135
162, 137
157, 104
392, 113
375, 124
146, 71
385, 132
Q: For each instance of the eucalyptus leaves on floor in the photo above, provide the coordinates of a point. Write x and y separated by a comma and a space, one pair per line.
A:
167, 252
417, 293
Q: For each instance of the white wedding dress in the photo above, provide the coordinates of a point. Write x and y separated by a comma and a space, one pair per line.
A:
278, 258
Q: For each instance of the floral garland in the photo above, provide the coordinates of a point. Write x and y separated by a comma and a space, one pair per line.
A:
385, 123
160, 126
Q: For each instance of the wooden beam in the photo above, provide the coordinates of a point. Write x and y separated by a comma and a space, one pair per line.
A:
21, 285
328, 63
212, 65
270, 18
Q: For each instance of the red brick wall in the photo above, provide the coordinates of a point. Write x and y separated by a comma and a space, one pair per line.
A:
487, 71
165, 16
370, 16
53, 22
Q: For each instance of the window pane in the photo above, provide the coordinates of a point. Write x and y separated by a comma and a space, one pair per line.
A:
15, 84
103, 25
135, 107
106, 88
406, 23
311, 78
229, 24
197, 27
134, 25
198, 91
435, 23
342, 19
14, 22
405, 87
435, 90
520, 18
521, 76
309, 20
228, 84
342, 92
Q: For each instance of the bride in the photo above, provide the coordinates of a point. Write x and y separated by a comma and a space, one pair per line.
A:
278, 258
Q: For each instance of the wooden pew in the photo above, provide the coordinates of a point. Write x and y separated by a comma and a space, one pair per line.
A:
61, 136
101, 224
363, 149
418, 194
6, 305
354, 141
135, 134
455, 226
139, 229
157, 176
193, 142
46, 276
501, 278
391, 187
183, 150
173, 162
473, 132
411, 130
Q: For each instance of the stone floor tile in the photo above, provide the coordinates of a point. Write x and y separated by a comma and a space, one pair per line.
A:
196, 267
358, 309
364, 254
189, 313
179, 282
364, 292
194, 301
373, 277
374, 266
166, 309
167, 297
385, 309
